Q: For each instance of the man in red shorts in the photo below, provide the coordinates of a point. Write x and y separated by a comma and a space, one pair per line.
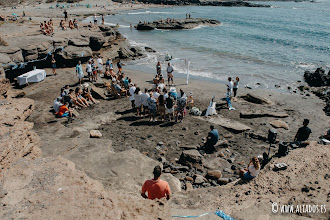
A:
156, 188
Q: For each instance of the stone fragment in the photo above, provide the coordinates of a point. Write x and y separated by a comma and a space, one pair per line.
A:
95, 134
279, 124
213, 174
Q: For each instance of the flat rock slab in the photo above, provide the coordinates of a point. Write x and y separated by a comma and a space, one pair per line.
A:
227, 123
279, 124
259, 114
257, 99
98, 92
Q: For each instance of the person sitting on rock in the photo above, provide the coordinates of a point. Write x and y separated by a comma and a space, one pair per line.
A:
71, 24
80, 98
87, 95
252, 171
302, 134
75, 23
57, 104
156, 188
211, 140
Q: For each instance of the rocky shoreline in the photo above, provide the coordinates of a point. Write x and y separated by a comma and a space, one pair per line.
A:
206, 3
177, 24
67, 46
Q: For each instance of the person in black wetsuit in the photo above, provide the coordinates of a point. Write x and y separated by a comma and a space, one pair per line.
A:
302, 133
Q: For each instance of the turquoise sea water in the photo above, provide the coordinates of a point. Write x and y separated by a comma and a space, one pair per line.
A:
263, 46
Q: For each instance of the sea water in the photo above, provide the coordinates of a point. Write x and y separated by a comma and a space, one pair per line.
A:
263, 46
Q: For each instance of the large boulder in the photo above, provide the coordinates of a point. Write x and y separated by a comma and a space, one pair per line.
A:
213, 174
4, 58
216, 163
173, 182
96, 41
72, 52
190, 156
30, 52
79, 42
317, 78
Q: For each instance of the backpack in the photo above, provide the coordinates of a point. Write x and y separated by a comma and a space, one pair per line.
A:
283, 149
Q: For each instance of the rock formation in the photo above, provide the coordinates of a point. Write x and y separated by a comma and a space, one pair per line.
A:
177, 24
67, 46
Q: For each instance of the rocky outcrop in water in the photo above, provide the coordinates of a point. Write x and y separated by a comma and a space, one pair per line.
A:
317, 78
177, 24
320, 83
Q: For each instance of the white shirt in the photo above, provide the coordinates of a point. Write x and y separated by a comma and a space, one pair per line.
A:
95, 18
253, 171
165, 96
230, 85
145, 97
57, 105
99, 61
156, 95
169, 69
138, 99
131, 92
89, 67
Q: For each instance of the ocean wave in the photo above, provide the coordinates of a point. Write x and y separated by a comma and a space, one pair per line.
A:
148, 12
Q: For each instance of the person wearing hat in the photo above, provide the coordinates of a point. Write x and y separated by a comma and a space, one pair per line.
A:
156, 188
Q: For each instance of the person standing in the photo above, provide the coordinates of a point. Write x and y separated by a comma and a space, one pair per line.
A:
131, 97
138, 101
120, 67
89, 70
169, 71
100, 64
65, 15
95, 19
54, 65
102, 19
145, 97
159, 68
235, 87
156, 188
152, 106
230, 84
79, 72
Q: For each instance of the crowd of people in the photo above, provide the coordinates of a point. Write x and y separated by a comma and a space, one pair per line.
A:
168, 105
47, 28
153, 103
72, 99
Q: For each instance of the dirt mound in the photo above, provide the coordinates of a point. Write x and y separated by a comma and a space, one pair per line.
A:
17, 138
41, 188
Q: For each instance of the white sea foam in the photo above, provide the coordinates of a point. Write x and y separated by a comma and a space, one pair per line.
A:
148, 12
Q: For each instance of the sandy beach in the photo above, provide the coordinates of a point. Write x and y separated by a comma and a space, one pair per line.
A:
113, 168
